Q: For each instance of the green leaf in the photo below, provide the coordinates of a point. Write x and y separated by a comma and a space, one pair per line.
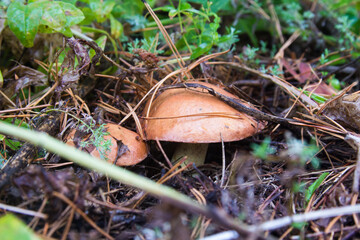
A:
24, 21
59, 16
216, 5
34, 1
89, 16
73, 15
166, 8
73, 2
173, 13
116, 27
13, 228
1, 80
202, 49
316, 97
102, 9
128, 9
299, 225
13, 144
311, 190
335, 83
52, 16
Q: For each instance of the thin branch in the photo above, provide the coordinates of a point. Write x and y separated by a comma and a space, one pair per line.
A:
306, 217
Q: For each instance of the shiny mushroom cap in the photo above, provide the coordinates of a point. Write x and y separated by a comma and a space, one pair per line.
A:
192, 115
126, 146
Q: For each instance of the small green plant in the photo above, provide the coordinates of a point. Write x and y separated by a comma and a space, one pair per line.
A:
302, 152
131, 46
250, 52
263, 48
148, 44
313, 187
200, 28
263, 150
298, 187
96, 139
323, 58
335, 83
347, 39
274, 70
316, 97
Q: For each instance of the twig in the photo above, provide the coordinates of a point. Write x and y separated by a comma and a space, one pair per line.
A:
340, 68
237, 104
166, 35
278, 81
354, 141
228, 235
24, 108
321, 214
79, 211
223, 162
22, 211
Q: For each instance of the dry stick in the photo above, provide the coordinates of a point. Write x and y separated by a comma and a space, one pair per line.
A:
79, 211
169, 174
259, 9
320, 214
278, 81
24, 108
334, 186
340, 68
35, 220
354, 141
163, 153
276, 20
112, 206
166, 35
23, 211
16, 116
331, 224
222, 182
353, 202
36, 101
238, 105
7, 98
68, 225
339, 95
292, 38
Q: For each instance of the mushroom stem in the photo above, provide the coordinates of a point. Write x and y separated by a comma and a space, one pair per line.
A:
195, 152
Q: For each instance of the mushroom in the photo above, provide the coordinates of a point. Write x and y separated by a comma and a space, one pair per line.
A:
126, 146
195, 118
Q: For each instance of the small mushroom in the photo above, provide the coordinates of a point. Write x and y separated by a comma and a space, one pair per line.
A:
195, 118
127, 148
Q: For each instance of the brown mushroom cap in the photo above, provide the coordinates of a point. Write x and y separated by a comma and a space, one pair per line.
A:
166, 120
126, 145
